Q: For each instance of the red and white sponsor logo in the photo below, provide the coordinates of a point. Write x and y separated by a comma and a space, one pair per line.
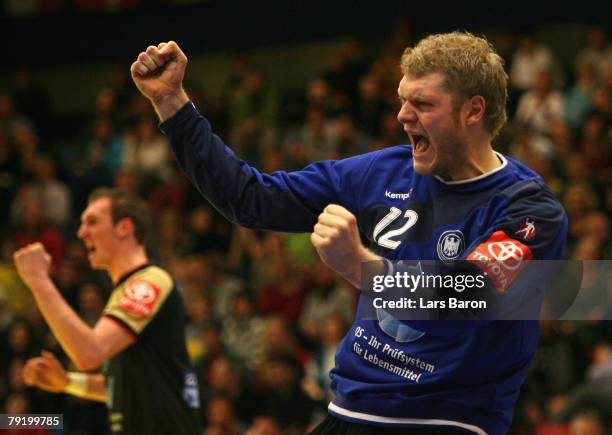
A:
502, 258
139, 297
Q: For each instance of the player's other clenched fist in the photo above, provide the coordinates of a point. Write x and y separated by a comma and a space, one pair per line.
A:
158, 74
32, 262
45, 372
336, 239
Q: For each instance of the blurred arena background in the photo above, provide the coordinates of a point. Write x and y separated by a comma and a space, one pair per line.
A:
284, 85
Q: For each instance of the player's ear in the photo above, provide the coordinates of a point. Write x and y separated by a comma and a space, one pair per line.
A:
475, 108
125, 227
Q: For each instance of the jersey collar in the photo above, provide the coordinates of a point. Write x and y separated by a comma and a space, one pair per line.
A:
126, 275
479, 177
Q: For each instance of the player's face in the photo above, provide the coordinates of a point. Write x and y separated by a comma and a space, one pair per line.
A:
430, 120
97, 231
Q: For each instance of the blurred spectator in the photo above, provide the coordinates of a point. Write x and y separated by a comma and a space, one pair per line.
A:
69, 279
544, 167
597, 226
562, 139
170, 194
269, 257
560, 362
212, 350
370, 106
351, 139
90, 303
596, 53
96, 162
317, 381
106, 103
127, 179
392, 132
346, 66
243, 330
18, 347
537, 109
587, 423
279, 341
246, 249
319, 136
221, 417
326, 296
578, 200
253, 111
21, 343
208, 233
596, 145
587, 248
9, 118
577, 170
13, 291
282, 396
602, 100
283, 294
264, 425
203, 275
33, 228
25, 143
319, 97
579, 99
226, 378
171, 239
252, 98
528, 61
199, 315
147, 153
53, 195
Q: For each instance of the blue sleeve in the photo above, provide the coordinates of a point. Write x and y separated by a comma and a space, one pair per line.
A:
532, 226
532, 216
279, 201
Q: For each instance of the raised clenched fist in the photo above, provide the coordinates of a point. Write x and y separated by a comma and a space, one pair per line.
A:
158, 74
32, 262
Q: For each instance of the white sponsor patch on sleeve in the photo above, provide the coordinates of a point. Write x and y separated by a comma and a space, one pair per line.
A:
139, 297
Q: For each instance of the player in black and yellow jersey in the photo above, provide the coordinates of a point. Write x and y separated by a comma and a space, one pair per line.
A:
147, 381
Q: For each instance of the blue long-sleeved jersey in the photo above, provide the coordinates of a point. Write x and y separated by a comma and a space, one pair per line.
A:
393, 373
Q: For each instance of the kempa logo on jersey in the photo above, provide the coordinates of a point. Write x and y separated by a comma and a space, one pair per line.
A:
450, 245
402, 196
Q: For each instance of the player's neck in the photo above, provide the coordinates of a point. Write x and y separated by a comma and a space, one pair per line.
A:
479, 162
126, 261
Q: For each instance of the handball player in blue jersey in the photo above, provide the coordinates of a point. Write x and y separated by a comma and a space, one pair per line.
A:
446, 196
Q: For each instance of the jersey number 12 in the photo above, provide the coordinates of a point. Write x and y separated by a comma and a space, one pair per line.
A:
385, 240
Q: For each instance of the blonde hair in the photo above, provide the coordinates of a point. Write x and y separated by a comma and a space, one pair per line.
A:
471, 66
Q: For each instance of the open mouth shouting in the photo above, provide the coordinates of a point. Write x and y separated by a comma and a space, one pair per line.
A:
420, 143
90, 249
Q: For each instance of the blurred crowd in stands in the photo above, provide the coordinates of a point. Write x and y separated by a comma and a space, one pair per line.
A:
264, 314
